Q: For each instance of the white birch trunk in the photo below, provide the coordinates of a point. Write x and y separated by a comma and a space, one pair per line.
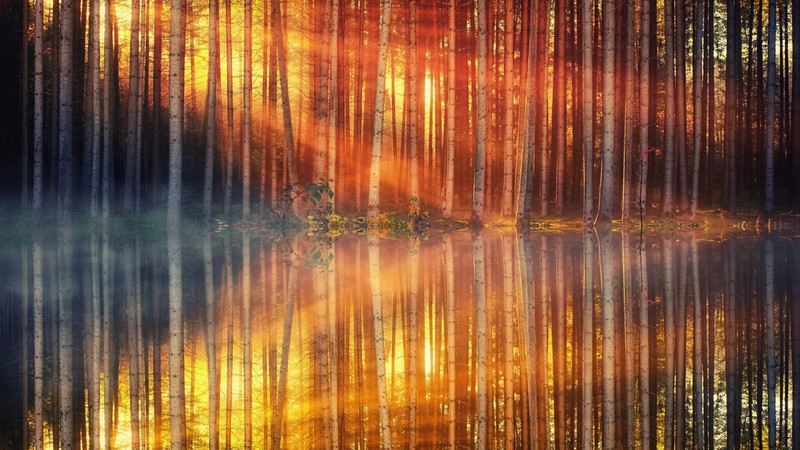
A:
478, 187
176, 392
377, 136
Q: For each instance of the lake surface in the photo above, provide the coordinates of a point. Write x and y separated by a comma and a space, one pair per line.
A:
457, 340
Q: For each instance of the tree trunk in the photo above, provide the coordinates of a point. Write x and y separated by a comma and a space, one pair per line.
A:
644, 109
604, 212
478, 187
230, 139
628, 152
176, 393
377, 135
133, 112
680, 106
211, 108
587, 107
667, 196
795, 140
413, 103
508, 114
449, 178
731, 98
284, 85
321, 99
247, 88
698, 105
38, 105
769, 183
559, 102
333, 75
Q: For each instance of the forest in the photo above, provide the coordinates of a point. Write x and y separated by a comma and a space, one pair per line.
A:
469, 109
363, 223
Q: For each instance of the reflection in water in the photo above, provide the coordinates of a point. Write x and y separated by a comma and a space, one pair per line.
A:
484, 340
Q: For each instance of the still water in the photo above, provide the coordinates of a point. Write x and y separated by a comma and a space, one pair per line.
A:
489, 340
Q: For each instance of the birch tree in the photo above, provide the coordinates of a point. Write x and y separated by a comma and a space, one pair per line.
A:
478, 188
176, 393
373, 206
607, 180
588, 111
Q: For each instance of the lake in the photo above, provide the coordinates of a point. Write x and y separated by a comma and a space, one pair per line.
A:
472, 340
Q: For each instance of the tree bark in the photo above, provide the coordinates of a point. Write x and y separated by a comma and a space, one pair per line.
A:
667, 194
176, 392
211, 108
769, 181
604, 212
377, 135
478, 187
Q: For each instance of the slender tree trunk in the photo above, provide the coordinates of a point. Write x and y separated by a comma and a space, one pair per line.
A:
377, 136
587, 340
560, 102
38, 105
176, 392
247, 88
478, 187
604, 212
667, 195
587, 97
644, 109
133, 112
413, 103
321, 100
211, 108
508, 114
333, 75
698, 105
628, 152
449, 178
284, 85
680, 106
731, 99
230, 138
795, 140
769, 183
